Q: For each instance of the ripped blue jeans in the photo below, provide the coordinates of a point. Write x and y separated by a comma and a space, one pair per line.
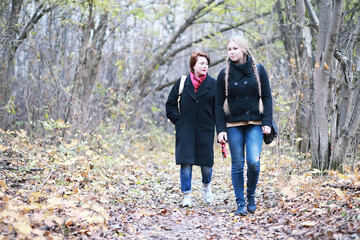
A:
249, 139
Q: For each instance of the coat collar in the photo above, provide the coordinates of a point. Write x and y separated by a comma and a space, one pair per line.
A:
245, 68
203, 89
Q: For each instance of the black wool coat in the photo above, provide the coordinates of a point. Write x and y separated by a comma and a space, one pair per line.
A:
195, 125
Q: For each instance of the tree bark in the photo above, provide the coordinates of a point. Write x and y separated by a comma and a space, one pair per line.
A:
303, 119
10, 43
349, 113
90, 55
320, 138
347, 134
284, 30
325, 47
312, 14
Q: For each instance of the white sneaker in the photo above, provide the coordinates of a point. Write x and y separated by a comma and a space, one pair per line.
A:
208, 196
187, 200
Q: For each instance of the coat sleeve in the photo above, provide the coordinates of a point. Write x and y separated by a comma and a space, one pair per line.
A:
219, 103
266, 97
171, 104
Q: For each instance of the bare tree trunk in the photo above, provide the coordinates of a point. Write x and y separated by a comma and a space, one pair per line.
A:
349, 113
325, 47
297, 43
346, 133
88, 65
11, 41
7, 58
320, 138
303, 119
284, 30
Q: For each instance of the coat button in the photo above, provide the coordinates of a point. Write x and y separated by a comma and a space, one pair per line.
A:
247, 112
236, 83
245, 82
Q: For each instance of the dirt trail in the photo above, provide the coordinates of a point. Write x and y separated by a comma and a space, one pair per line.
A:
290, 206
136, 195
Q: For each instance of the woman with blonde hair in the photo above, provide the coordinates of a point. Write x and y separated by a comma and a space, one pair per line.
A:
243, 114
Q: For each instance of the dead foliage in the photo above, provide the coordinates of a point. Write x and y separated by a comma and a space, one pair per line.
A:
74, 190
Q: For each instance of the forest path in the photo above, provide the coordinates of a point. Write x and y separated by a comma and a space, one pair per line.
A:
292, 204
78, 192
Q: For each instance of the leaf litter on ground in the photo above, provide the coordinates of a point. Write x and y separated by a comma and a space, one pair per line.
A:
87, 193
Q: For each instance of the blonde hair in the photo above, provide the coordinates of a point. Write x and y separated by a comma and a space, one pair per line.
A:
241, 43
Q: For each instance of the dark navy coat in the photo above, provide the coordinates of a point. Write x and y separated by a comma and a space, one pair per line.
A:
243, 96
195, 125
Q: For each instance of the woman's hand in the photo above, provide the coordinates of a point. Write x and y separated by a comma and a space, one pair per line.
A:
222, 137
266, 129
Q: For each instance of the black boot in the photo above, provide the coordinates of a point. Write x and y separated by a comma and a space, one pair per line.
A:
251, 205
241, 210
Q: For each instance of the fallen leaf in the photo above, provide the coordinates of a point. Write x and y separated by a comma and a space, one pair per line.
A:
3, 182
164, 211
309, 224
288, 192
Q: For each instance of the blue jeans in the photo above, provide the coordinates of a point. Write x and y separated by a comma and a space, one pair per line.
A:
251, 137
186, 175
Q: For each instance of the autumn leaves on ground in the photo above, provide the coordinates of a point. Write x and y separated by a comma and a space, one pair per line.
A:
82, 190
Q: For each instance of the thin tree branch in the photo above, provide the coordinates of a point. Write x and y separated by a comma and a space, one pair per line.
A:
176, 51
341, 58
213, 63
312, 14
142, 78
22, 169
38, 14
333, 31
45, 180
342, 187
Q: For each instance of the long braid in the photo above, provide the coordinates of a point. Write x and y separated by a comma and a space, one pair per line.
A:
226, 103
261, 105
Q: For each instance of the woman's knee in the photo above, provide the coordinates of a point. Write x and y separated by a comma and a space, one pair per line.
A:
253, 163
237, 165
